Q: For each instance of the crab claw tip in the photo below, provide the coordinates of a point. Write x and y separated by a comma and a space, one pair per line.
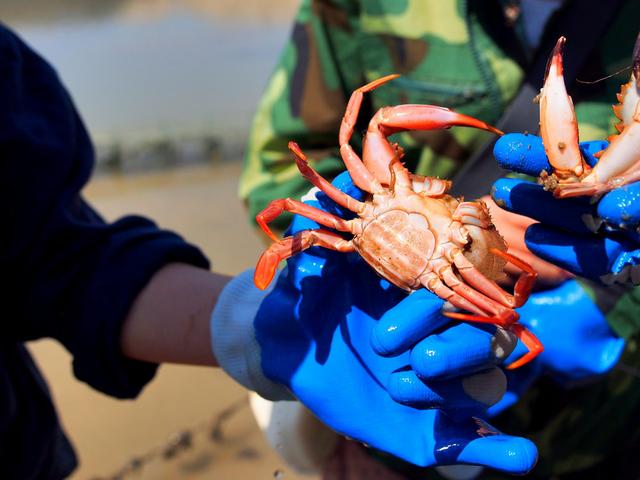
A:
488, 128
555, 59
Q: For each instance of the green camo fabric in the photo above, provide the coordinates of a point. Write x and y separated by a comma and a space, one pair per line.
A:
459, 54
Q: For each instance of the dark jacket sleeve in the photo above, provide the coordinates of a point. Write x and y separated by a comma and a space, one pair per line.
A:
67, 274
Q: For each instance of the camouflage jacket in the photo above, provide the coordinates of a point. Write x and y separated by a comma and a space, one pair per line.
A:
465, 55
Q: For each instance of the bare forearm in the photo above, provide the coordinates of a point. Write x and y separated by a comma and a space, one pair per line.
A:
169, 320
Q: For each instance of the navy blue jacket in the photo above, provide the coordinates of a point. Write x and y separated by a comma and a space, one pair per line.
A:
64, 272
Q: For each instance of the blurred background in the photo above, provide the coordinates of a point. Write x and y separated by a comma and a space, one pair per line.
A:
167, 90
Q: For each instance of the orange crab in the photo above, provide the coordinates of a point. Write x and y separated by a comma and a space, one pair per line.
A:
409, 230
618, 164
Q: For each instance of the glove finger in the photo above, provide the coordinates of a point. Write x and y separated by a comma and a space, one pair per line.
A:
510, 454
518, 380
474, 441
590, 257
522, 153
461, 350
415, 317
475, 392
621, 207
527, 198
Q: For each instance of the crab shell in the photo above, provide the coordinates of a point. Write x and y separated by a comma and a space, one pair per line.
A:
408, 236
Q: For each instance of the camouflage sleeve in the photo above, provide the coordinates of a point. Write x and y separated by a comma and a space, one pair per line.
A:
304, 101
620, 304
443, 52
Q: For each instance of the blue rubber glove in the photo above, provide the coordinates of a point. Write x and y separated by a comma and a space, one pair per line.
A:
583, 237
596, 241
315, 336
578, 343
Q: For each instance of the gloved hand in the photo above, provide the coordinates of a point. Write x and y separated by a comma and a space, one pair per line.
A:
582, 237
312, 339
596, 241
578, 343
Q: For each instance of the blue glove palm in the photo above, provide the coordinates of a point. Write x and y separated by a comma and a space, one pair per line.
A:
578, 343
316, 333
595, 241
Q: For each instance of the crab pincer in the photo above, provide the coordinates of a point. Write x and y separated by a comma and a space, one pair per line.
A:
618, 164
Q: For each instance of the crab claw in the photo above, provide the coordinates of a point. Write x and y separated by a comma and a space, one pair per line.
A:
558, 125
618, 164
441, 117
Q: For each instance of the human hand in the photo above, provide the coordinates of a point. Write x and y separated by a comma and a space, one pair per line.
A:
315, 336
579, 345
512, 227
598, 241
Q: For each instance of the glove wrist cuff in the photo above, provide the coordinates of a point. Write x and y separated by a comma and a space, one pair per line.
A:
233, 339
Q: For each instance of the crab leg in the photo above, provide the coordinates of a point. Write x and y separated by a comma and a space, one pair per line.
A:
316, 179
493, 299
432, 283
276, 207
400, 179
289, 246
502, 317
431, 186
558, 124
533, 344
619, 164
507, 319
500, 314
401, 118
476, 279
473, 213
530, 341
378, 152
361, 177
476, 214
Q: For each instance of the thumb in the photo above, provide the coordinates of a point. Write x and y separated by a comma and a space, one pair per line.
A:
514, 455
474, 441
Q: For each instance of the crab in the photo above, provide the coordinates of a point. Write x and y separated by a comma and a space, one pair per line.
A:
618, 164
409, 230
